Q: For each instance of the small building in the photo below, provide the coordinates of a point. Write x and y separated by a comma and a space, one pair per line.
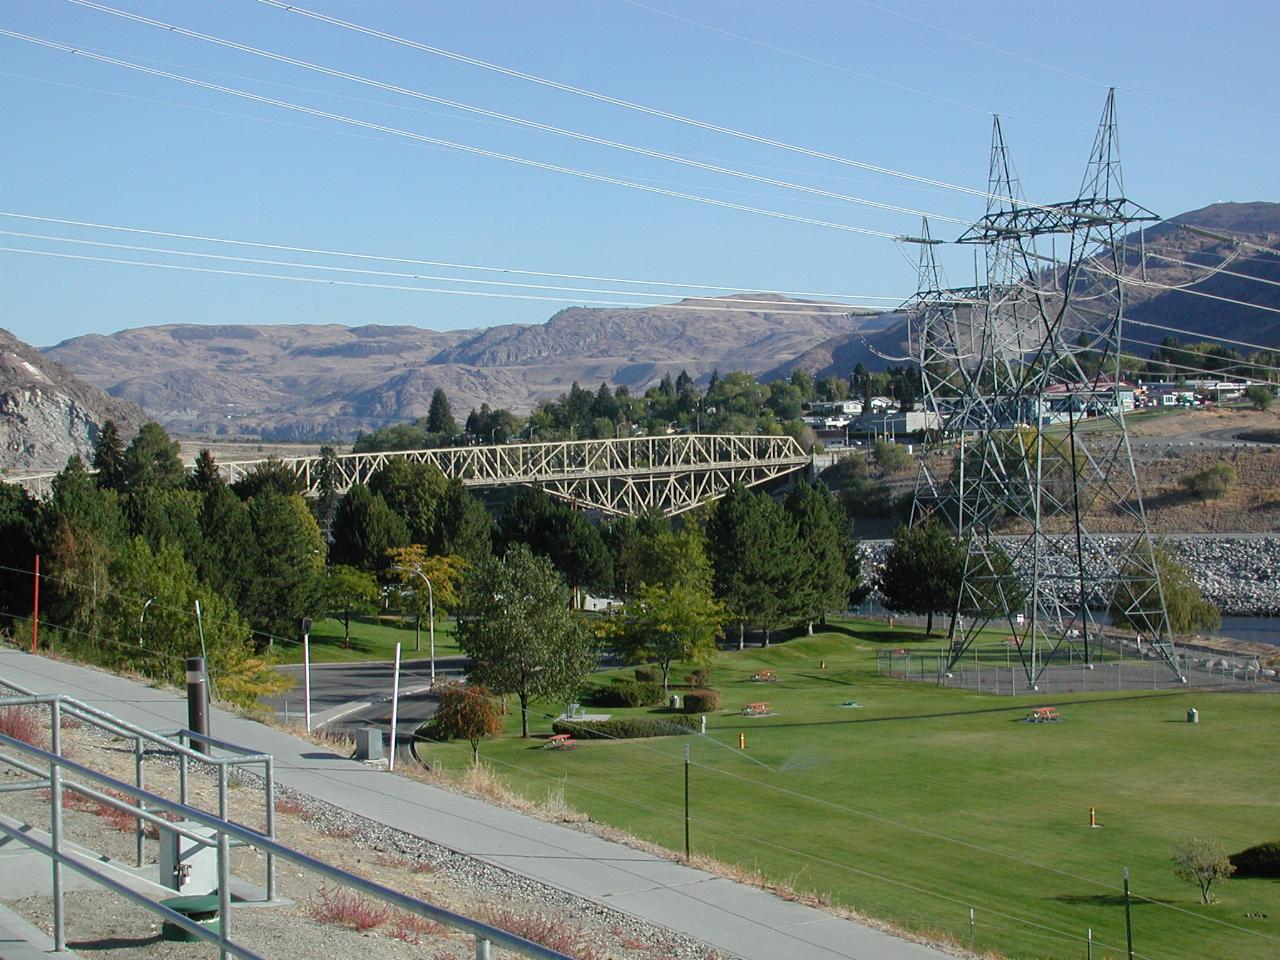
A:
835, 408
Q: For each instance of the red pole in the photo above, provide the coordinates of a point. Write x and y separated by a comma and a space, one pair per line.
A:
35, 614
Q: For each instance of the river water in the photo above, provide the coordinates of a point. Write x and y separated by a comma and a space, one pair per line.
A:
1254, 629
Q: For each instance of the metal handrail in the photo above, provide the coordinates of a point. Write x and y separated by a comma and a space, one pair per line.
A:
226, 830
185, 754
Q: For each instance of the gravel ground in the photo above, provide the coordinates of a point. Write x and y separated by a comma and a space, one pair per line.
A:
101, 921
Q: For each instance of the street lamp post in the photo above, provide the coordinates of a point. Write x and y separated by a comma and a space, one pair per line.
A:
142, 617
431, 608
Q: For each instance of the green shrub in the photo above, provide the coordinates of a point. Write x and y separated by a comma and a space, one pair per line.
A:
626, 728
1209, 483
644, 675
698, 678
626, 693
1260, 861
701, 701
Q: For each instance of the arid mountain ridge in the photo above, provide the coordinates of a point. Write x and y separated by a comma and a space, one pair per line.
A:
1206, 316
330, 381
317, 382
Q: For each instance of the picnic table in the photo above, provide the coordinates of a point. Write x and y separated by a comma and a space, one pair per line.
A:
756, 710
560, 741
1043, 715
764, 676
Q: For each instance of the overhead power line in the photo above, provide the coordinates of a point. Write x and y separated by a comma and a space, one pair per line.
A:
437, 263
437, 141
406, 287
638, 107
509, 118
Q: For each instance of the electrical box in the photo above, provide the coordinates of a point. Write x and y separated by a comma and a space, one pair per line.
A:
369, 744
185, 865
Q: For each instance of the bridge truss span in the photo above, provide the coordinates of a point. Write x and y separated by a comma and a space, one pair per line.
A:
616, 476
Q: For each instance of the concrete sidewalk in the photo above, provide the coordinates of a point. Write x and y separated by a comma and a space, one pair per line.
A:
731, 917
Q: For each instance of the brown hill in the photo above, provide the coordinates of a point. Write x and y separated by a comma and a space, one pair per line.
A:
47, 414
309, 381
1205, 317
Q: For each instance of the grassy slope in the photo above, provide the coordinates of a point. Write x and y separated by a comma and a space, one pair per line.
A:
925, 801
371, 639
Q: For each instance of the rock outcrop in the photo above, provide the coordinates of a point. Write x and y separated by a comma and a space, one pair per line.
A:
47, 414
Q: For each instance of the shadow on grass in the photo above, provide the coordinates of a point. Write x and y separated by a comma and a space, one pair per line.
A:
1107, 900
1019, 708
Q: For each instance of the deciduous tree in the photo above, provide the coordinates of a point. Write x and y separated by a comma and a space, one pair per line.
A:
1202, 862
465, 713
346, 590
515, 624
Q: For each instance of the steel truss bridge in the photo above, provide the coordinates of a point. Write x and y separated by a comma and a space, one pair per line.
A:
672, 474
625, 476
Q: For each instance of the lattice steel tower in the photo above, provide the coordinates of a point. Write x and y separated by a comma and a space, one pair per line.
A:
1022, 371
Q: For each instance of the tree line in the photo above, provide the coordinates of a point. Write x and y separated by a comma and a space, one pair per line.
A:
128, 550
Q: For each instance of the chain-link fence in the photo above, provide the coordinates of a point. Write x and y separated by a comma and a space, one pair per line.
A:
1114, 663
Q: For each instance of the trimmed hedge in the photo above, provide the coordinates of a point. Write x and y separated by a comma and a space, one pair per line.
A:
644, 675
1260, 861
701, 701
626, 693
625, 728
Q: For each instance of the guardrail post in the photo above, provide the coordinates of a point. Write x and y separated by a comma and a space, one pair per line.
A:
224, 894
222, 791
138, 754
182, 778
55, 824
482, 948
269, 775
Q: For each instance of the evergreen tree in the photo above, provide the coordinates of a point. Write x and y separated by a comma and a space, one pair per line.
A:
413, 491
17, 548
327, 498
290, 562
152, 460
822, 529
205, 475
108, 457
579, 553
776, 598
163, 515
527, 519
271, 475
364, 529
921, 573
229, 563
754, 557
515, 624
439, 416
463, 527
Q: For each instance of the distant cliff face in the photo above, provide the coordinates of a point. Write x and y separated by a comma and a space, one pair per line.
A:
46, 414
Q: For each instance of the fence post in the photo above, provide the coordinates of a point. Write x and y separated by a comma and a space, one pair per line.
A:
138, 781
222, 791
55, 824
269, 775
224, 894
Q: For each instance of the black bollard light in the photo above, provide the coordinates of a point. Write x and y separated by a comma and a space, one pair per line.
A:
197, 702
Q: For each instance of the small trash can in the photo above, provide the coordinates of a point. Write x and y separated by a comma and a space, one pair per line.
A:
1193, 715
203, 910
675, 701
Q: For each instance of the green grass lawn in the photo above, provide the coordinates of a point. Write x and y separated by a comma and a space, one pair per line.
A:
923, 802
371, 639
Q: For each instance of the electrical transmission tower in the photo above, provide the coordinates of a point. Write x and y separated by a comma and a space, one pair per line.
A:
1023, 373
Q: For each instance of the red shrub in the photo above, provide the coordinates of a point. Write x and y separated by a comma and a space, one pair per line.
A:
346, 908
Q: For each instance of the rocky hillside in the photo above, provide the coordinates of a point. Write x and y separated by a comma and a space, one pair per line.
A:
311, 381
47, 414
1206, 317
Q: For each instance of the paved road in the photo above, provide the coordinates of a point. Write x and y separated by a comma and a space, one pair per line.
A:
348, 696
730, 917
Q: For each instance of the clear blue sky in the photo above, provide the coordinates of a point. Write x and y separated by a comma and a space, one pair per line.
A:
89, 141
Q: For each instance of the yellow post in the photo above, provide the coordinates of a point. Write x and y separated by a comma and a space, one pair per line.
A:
1093, 817
742, 741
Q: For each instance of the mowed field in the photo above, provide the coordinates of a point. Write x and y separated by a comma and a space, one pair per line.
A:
921, 803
